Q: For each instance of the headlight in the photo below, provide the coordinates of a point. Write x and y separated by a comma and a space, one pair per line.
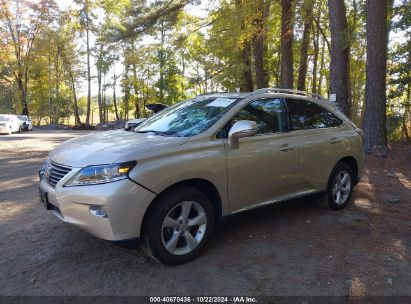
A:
95, 175
43, 168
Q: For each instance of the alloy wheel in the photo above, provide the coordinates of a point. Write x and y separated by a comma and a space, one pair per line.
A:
183, 228
341, 187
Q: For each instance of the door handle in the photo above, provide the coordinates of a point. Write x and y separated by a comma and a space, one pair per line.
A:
286, 148
335, 140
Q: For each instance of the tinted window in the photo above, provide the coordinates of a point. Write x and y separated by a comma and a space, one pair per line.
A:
308, 115
269, 114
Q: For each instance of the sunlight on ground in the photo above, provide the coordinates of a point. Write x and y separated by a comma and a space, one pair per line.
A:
17, 183
9, 211
403, 180
357, 287
400, 250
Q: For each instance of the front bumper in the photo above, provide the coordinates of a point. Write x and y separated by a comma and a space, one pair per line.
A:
124, 201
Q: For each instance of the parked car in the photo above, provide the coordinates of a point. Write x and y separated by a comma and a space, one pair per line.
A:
9, 124
182, 170
154, 108
26, 123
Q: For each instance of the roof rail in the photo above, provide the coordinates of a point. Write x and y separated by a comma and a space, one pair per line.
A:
288, 91
216, 93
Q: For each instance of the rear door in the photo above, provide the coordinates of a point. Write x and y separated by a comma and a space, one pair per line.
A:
318, 143
262, 168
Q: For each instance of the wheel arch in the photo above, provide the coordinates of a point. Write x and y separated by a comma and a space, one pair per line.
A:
352, 162
203, 185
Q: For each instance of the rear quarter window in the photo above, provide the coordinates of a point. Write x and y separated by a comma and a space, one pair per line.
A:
305, 115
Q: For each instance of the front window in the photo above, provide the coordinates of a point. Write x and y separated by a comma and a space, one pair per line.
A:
269, 114
4, 118
187, 118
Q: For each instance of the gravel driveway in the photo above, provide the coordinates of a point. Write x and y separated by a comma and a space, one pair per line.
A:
292, 248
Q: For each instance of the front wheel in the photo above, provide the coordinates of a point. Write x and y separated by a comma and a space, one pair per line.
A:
178, 226
339, 189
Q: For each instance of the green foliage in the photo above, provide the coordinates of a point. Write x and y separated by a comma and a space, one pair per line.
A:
157, 51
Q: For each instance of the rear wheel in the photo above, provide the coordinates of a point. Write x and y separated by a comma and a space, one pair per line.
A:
339, 189
178, 226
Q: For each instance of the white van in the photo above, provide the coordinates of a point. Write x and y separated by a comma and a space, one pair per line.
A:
9, 124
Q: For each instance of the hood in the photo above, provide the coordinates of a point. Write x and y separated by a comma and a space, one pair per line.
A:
110, 147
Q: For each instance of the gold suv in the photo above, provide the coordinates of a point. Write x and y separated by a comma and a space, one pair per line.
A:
172, 180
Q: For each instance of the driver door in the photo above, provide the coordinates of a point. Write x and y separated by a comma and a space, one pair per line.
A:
262, 168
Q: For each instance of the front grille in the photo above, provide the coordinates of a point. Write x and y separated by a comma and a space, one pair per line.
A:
56, 172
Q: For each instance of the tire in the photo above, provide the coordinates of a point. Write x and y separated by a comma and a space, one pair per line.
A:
165, 233
332, 199
20, 129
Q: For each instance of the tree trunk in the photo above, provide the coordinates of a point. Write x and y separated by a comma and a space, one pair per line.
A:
287, 72
259, 46
23, 97
247, 74
114, 96
88, 66
75, 104
374, 123
246, 82
50, 98
126, 89
99, 75
322, 66
340, 52
405, 118
260, 71
104, 99
136, 100
57, 84
316, 43
162, 65
302, 71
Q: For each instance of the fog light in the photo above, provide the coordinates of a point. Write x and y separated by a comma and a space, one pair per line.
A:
98, 211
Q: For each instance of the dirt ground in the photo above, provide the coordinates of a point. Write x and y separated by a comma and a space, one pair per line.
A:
292, 248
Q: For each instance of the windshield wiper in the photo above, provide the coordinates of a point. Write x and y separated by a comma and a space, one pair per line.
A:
161, 133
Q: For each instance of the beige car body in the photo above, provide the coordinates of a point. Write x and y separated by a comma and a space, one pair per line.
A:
264, 169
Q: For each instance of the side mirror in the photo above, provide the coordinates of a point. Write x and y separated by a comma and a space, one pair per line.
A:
242, 128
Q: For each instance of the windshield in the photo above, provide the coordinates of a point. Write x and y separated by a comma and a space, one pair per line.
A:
4, 118
188, 118
23, 117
